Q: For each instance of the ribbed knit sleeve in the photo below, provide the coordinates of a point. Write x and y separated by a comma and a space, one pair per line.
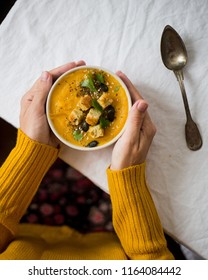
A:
20, 176
135, 218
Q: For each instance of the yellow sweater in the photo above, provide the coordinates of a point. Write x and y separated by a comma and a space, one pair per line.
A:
138, 231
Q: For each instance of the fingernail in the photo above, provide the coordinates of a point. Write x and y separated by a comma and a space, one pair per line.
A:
80, 62
119, 72
44, 76
142, 106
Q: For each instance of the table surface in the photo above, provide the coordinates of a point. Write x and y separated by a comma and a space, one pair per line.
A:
124, 35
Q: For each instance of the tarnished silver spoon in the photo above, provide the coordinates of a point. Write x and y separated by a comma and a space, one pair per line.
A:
174, 56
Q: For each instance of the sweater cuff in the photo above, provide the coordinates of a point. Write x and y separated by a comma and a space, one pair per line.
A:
128, 179
20, 176
32, 154
135, 218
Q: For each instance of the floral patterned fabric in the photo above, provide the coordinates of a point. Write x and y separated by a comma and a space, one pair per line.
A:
66, 197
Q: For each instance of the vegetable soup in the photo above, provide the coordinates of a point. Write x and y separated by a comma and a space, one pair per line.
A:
88, 107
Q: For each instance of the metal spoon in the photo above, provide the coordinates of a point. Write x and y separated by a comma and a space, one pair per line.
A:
174, 56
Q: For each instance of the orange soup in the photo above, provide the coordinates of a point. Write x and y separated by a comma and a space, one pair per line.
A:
88, 107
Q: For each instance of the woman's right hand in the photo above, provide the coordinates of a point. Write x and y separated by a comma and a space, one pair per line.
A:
33, 121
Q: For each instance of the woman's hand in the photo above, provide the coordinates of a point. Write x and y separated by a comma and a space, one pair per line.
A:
132, 148
33, 121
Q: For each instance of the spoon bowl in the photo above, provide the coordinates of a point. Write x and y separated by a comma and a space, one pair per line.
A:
174, 57
173, 50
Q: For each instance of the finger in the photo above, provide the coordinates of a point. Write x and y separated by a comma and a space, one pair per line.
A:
148, 132
135, 120
57, 72
41, 88
149, 127
135, 95
38, 88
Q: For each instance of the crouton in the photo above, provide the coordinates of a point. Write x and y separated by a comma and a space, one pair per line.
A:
96, 131
104, 100
76, 116
93, 116
85, 102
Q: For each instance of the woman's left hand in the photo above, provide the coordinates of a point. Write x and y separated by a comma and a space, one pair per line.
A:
132, 148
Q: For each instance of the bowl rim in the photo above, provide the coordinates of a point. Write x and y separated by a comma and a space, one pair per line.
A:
64, 141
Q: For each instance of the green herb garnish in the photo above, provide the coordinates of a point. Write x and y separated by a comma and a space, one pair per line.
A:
103, 122
77, 135
100, 78
89, 83
116, 88
96, 105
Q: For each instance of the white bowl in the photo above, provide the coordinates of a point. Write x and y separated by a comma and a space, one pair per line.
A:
53, 128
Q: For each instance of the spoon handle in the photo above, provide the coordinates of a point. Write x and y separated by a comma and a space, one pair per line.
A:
193, 136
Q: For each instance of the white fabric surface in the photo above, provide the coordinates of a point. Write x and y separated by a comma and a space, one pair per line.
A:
124, 35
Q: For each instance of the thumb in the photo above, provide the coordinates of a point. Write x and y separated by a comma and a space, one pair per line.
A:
42, 87
136, 118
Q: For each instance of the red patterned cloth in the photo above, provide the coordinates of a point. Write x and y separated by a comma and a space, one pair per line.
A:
66, 197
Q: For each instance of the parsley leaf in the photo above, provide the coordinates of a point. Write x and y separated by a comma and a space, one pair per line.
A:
116, 88
100, 78
103, 122
77, 135
89, 83
96, 105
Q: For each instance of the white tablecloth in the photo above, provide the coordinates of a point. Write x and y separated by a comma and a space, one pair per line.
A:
124, 35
